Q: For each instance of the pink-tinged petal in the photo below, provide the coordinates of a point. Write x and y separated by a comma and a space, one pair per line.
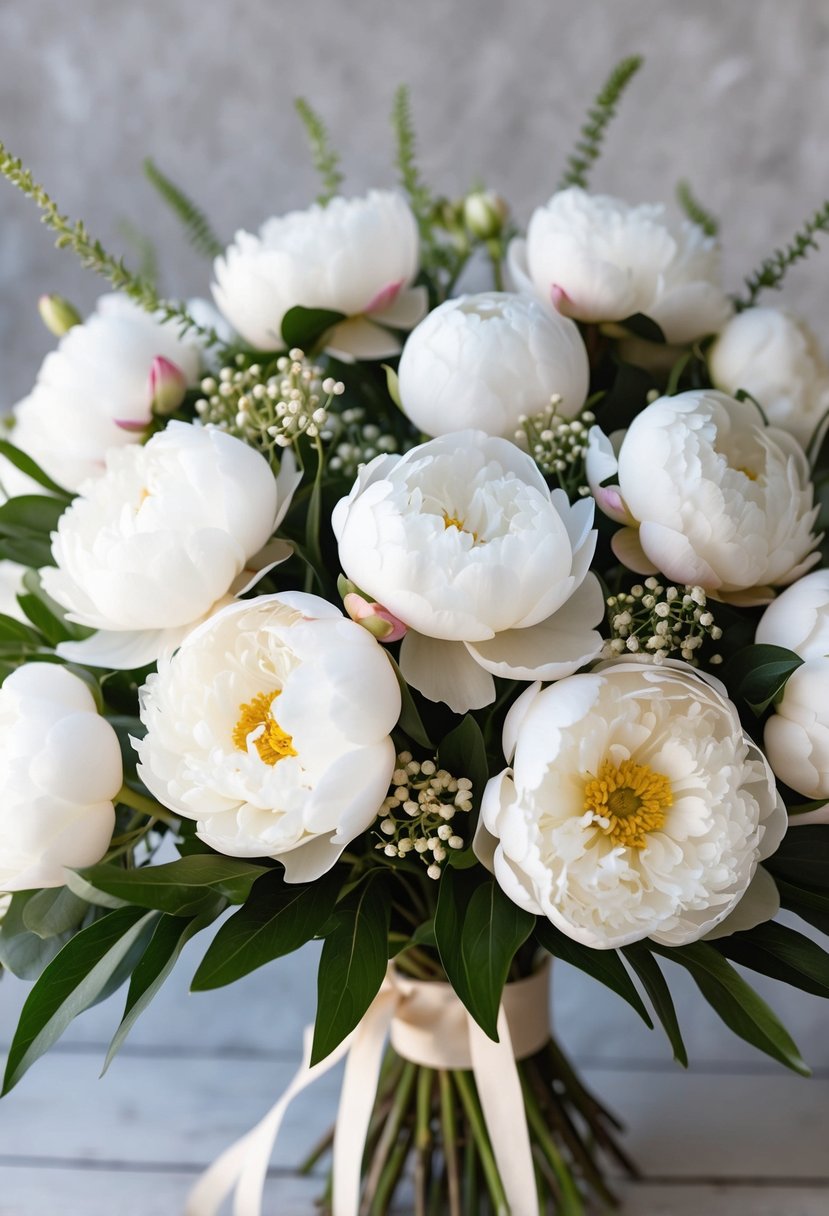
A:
385, 297
610, 501
408, 310
561, 301
445, 671
167, 387
133, 426
381, 623
626, 546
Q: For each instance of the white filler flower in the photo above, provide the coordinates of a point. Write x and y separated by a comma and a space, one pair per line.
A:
777, 359
485, 360
597, 258
270, 727
635, 807
709, 496
148, 549
98, 376
797, 733
463, 542
356, 256
60, 769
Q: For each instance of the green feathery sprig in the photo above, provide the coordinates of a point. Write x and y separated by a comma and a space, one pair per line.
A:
419, 194
589, 144
772, 270
196, 224
144, 250
695, 211
72, 234
326, 160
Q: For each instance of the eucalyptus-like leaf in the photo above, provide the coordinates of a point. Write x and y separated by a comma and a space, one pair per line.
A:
180, 888
54, 911
23, 952
758, 674
782, 953
303, 327
22, 461
653, 981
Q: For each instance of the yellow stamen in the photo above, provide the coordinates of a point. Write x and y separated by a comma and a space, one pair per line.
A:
746, 472
632, 798
452, 521
273, 743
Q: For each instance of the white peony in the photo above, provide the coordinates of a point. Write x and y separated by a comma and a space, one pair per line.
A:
777, 359
463, 542
635, 807
708, 495
596, 258
60, 770
796, 737
356, 256
11, 585
799, 618
98, 377
270, 727
149, 548
484, 360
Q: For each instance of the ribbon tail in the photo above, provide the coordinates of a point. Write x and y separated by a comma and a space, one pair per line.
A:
362, 1075
245, 1164
502, 1102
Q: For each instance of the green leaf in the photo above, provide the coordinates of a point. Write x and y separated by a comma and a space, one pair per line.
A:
16, 635
170, 937
47, 614
626, 397
811, 906
782, 953
757, 674
179, 888
277, 919
196, 224
352, 964
606, 966
642, 326
463, 754
21, 460
22, 952
26, 525
736, 1002
392, 384
410, 721
653, 981
478, 930
802, 857
54, 911
303, 327
73, 981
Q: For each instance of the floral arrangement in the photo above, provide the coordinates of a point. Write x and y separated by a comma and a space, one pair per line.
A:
458, 630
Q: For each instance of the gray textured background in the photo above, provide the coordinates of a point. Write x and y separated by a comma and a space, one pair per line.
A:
734, 96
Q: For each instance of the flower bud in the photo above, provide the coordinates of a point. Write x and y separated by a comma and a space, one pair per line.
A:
485, 214
380, 623
168, 386
57, 314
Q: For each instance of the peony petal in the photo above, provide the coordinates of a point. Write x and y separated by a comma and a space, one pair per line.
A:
517, 268
122, 650
627, 547
273, 554
760, 903
407, 310
445, 671
359, 338
310, 861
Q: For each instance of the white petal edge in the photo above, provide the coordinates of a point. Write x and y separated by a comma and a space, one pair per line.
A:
445, 671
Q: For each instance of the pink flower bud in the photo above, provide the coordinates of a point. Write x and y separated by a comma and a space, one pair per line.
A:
373, 617
57, 314
168, 386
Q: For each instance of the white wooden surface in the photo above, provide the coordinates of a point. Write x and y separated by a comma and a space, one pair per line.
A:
734, 1136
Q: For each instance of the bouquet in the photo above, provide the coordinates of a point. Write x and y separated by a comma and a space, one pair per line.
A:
459, 630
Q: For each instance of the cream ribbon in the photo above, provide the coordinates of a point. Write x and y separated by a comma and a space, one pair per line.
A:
429, 1026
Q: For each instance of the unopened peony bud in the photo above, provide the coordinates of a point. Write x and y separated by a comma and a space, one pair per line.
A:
57, 314
374, 617
168, 386
485, 214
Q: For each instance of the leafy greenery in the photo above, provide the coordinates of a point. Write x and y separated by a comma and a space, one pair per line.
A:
802, 857
303, 327
326, 160
72, 234
419, 194
757, 674
26, 526
772, 270
180, 888
196, 224
589, 144
695, 211
653, 981
23, 462
782, 953
606, 966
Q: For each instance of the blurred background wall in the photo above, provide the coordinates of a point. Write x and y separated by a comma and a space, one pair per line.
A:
734, 96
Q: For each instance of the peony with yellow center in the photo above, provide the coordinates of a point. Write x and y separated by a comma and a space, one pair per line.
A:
635, 806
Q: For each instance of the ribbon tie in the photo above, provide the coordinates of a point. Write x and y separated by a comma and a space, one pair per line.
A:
428, 1026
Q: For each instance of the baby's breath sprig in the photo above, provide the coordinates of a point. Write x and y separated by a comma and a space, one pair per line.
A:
417, 816
661, 622
357, 441
558, 445
269, 405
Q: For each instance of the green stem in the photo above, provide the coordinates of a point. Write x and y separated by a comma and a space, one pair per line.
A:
147, 806
450, 1151
423, 1137
571, 1204
391, 1175
389, 1135
476, 1122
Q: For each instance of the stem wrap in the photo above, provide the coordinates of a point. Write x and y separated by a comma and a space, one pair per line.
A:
429, 1027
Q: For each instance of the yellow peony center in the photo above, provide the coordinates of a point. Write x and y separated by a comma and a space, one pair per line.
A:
452, 521
632, 798
272, 743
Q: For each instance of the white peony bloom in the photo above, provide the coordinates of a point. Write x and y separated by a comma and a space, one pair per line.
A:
596, 258
60, 770
356, 256
11, 585
463, 542
797, 733
148, 549
708, 495
98, 377
799, 618
635, 807
777, 359
484, 360
270, 727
